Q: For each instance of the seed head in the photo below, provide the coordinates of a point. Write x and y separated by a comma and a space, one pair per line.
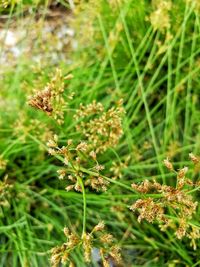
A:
182, 172
106, 239
3, 163
168, 164
161, 11
194, 158
99, 227
87, 247
66, 231
93, 155
82, 146
61, 173
50, 99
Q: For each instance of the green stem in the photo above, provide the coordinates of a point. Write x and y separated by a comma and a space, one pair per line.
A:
107, 179
120, 184
193, 190
84, 205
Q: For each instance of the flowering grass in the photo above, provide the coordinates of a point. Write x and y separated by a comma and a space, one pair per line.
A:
100, 146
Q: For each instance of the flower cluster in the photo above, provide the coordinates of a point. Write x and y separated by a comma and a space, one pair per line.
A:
194, 159
24, 126
97, 238
118, 168
116, 3
50, 99
159, 18
76, 160
61, 253
169, 206
85, 15
3, 163
4, 193
4, 3
195, 3
102, 129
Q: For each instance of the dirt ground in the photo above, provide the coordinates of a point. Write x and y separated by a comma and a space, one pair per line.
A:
39, 37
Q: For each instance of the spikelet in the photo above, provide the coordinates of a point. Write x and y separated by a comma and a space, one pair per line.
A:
50, 100
97, 238
168, 198
159, 18
102, 129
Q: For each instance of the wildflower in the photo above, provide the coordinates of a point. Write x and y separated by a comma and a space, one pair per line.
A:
5, 3
118, 167
148, 209
162, 9
50, 99
195, 3
102, 129
181, 231
143, 188
5, 192
71, 157
24, 126
51, 151
168, 198
55, 258
93, 155
194, 158
69, 142
173, 149
99, 167
115, 253
73, 240
182, 172
106, 238
99, 227
97, 183
42, 100
96, 238
52, 143
168, 164
115, 3
193, 235
3, 162
69, 188
114, 35
82, 146
87, 247
71, 264
52, 147
61, 173
78, 187
69, 77
66, 160
60, 253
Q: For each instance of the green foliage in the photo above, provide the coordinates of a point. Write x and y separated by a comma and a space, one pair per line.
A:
116, 53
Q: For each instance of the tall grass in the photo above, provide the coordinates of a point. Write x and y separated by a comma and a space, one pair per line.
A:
117, 52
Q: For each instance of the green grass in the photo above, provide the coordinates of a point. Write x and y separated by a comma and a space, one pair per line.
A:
161, 97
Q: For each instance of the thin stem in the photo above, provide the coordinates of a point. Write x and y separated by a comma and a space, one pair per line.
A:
193, 190
84, 205
120, 184
106, 178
